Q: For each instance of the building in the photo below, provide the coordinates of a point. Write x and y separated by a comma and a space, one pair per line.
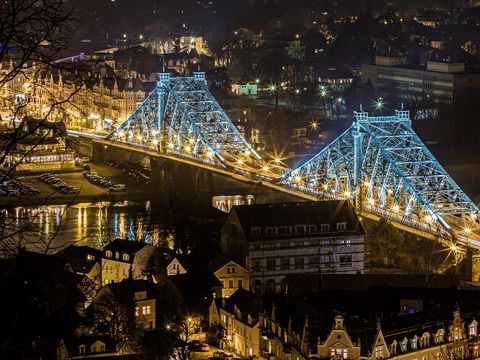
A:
439, 82
139, 296
244, 89
41, 147
85, 261
238, 317
177, 266
275, 240
231, 275
123, 259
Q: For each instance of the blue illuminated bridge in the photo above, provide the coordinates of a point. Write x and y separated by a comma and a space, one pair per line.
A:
379, 163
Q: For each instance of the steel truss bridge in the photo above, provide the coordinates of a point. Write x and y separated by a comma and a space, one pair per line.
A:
379, 163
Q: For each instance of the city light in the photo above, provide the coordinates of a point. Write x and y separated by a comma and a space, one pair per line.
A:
265, 168
396, 208
155, 142
371, 201
467, 231
277, 160
379, 104
240, 161
348, 194
314, 125
170, 145
297, 178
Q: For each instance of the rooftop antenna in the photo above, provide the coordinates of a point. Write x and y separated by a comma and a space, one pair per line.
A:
163, 63
402, 105
361, 107
198, 67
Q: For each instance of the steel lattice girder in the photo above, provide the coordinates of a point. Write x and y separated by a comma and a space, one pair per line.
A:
396, 171
183, 113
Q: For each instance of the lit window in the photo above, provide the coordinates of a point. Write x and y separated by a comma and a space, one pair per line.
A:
146, 310
126, 257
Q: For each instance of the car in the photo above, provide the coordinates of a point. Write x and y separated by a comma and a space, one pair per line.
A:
86, 167
117, 187
204, 347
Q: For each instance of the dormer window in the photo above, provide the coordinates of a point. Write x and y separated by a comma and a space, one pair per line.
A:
126, 257
404, 344
117, 255
472, 329
414, 343
108, 254
394, 347
379, 352
439, 336
81, 349
341, 226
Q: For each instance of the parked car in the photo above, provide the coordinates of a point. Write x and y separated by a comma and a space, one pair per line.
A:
117, 187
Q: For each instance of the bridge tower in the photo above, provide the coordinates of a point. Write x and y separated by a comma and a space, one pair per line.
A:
382, 166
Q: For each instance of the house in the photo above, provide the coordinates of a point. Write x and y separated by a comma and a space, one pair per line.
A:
123, 258
231, 275
274, 240
89, 347
238, 317
86, 261
177, 266
138, 296
244, 89
41, 147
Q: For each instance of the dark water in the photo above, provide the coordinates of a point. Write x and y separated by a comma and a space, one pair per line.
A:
94, 224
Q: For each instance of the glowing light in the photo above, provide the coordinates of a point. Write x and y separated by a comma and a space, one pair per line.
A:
240, 161
379, 104
297, 178
265, 168
168, 327
348, 194
121, 133
130, 136
257, 81
453, 247
170, 145
273, 87
140, 37
140, 137
325, 186
188, 148
366, 183
247, 152
339, 100
209, 154
277, 160
314, 125
371, 201
155, 142
390, 191
189, 319
473, 216
467, 231
297, 91
428, 218
191, 141
396, 208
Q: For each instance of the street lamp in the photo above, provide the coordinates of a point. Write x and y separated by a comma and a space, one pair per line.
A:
379, 104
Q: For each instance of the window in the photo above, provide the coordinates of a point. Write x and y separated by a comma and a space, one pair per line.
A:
299, 262
325, 227
341, 226
339, 352
313, 260
346, 243
472, 329
270, 231
414, 343
256, 232
270, 264
345, 260
231, 284
81, 349
117, 255
300, 229
285, 263
126, 257
240, 284
108, 254
379, 352
146, 310
404, 344
256, 265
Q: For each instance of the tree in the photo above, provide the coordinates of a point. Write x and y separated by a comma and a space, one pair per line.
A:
32, 35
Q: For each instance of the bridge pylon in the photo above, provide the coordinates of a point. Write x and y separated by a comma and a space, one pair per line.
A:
182, 118
381, 165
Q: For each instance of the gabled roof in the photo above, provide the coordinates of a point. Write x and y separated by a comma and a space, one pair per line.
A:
218, 262
245, 301
296, 213
78, 257
125, 290
125, 246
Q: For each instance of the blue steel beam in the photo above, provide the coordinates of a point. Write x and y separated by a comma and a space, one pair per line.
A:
381, 164
182, 115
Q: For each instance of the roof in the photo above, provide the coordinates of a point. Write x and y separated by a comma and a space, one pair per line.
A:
79, 259
218, 262
245, 301
309, 283
297, 213
124, 291
125, 246
31, 125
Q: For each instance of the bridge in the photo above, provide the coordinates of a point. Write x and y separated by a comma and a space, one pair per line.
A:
379, 163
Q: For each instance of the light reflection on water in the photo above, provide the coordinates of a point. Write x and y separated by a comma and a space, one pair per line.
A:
94, 224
